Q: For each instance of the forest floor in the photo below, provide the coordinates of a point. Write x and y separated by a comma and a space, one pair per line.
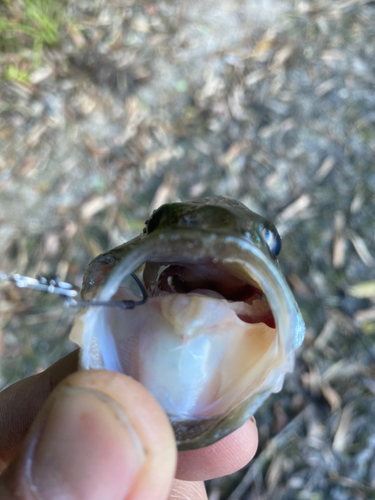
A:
133, 104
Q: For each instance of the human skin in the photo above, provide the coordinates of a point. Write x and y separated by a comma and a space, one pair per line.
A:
68, 435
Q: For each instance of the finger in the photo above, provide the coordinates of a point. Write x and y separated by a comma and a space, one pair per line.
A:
100, 435
224, 457
21, 402
187, 490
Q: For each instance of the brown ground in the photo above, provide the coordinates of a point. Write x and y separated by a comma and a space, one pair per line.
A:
274, 105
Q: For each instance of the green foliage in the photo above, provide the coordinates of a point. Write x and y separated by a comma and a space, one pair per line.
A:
13, 72
30, 24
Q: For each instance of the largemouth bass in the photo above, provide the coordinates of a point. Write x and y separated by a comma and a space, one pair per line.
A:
220, 325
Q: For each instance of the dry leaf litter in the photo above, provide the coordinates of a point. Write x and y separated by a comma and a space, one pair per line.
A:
270, 102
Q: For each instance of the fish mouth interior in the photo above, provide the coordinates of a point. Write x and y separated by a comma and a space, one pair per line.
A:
204, 341
212, 279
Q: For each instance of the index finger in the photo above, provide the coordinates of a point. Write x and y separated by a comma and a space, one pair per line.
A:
20, 403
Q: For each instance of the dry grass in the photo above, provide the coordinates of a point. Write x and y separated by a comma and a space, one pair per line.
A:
148, 103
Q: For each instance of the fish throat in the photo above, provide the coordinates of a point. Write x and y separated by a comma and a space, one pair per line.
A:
211, 279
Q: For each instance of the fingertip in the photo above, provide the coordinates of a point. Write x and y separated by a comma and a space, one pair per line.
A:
188, 490
221, 458
149, 422
99, 433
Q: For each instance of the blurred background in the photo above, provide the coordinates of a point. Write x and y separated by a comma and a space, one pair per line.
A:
110, 108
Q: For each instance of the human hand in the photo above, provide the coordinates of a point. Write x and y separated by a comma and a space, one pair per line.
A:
100, 435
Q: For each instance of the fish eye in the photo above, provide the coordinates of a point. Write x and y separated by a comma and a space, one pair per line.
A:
273, 240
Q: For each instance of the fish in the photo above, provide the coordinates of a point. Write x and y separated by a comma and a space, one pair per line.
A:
218, 327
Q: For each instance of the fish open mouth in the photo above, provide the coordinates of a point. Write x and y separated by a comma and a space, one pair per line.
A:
210, 279
198, 341
206, 343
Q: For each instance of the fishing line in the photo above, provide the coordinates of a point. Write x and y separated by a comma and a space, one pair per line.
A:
53, 284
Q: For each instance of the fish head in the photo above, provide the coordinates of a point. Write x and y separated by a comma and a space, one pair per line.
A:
220, 326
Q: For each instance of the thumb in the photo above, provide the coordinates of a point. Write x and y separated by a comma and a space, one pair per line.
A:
99, 435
